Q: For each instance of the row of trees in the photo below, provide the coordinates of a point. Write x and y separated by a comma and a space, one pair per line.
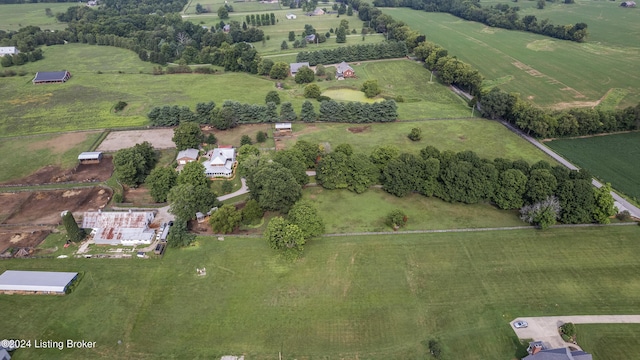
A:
29, 38
383, 50
357, 112
465, 177
497, 104
260, 19
21, 58
500, 15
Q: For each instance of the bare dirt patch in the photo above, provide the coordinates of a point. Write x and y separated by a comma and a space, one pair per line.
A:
358, 130
44, 207
17, 238
158, 138
138, 196
574, 104
61, 143
81, 173
11, 202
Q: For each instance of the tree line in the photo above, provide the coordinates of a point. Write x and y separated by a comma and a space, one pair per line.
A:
233, 113
500, 15
465, 177
383, 50
498, 104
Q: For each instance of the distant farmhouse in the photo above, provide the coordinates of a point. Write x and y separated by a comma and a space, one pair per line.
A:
628, 4
36, 282
316, 12
90, 157
291, 17
8, 50
295, 67
92, 3
343, 70
51, 77
128, 228
226, 28
310, 38
222, 162
187, 156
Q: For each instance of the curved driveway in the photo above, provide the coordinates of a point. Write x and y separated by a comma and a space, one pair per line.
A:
545, 328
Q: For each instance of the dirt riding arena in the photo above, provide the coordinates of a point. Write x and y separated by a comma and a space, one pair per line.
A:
26, 216
158, 138
81, 173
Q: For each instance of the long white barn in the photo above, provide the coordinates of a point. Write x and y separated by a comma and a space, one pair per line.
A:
38, 282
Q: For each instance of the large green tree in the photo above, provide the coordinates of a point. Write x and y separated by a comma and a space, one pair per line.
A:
370, 88
286, 237
279, 71
312, 91
333, 171
308, 114
74, 232
604, 206
187, 135
287, 113
132, 165
509, 193
225, 219
305, 75
193, 173
540, 185
160, 181
274, 187
294, 160
186, 200
179, 235
310, 152
362, 173
576, 201
306, 216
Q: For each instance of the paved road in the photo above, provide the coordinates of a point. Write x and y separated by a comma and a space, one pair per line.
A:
545, 328
621, 203
243, 190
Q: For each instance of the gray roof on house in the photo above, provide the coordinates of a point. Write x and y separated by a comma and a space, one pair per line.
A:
90, 155
296, 66
342, 67
50, 76
559, 354
311, 37
4, 354
221, 161
188, 153
13, 280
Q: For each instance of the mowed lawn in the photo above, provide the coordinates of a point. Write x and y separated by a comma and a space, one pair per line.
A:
346, 212
609, 341
22, 156
489, 139
546, 71
374, 297
16, 16
611, 158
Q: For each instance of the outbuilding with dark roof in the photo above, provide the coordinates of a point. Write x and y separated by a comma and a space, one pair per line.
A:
46, 77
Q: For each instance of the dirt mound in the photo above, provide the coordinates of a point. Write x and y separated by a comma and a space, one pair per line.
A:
358, 130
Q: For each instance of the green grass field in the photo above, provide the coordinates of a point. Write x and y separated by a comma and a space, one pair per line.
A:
609, 341
16, 16
347, 212
611, 158
375, 297
111, 74
547, 72
487, 138
22, 156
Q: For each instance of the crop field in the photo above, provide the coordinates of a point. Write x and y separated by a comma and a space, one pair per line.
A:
20, 157
611, 158
346, 212
15, 16
488, 139
545, 71
375, 297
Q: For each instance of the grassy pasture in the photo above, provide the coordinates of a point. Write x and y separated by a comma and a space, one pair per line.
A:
375, 297
20, 157
111, 74
344, 211
547, 72
487, 138
16, 16
611, 158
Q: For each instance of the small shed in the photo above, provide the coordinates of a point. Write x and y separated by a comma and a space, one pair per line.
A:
295, 67
310, 38
200, 217
48, 77
291, 17
90, 157
628, 4
283, 126
8, 50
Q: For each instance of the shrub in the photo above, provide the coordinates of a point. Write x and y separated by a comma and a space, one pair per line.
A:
117, 198
312, 91
272, 96
261, 136
370, 88
120, 105
568, 329
415, 134
397, 218
227, 186
399, 98
204, 70
435, 349
322, 98
624, 215
245, 140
